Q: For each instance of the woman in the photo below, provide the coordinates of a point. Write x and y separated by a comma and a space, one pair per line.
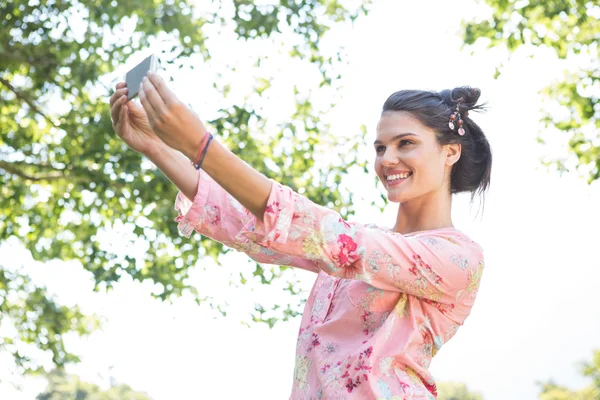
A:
384, 300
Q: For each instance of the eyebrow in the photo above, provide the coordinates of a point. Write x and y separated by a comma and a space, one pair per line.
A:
399, 136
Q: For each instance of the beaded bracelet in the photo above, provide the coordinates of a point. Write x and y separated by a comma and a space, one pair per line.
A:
198, 165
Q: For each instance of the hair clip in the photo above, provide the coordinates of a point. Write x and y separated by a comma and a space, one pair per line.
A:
456, 117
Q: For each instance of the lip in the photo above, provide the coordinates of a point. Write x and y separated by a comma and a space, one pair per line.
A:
398, 181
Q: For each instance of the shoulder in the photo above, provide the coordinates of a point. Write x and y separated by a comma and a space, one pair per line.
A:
448, 239
459, 258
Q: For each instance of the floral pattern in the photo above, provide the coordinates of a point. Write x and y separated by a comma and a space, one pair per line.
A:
301, 371
346, 254
382, 306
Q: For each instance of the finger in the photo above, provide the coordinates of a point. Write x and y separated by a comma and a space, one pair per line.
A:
123, 119
121, 85
115, 110
154, 98
135, 109
146, 104
163, 90
117, 94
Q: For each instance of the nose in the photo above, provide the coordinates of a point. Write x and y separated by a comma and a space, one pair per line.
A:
389, 159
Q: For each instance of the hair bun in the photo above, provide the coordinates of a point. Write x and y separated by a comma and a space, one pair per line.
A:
466, 95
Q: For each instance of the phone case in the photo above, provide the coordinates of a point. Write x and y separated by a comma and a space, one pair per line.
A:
135, 76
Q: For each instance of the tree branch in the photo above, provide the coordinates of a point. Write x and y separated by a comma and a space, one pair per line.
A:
41, 165
72, 175
8, 167
29, 102
29, 59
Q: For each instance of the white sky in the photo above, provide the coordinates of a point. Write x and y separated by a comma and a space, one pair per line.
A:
535, 316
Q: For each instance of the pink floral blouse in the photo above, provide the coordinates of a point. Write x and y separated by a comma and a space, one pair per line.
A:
382, 304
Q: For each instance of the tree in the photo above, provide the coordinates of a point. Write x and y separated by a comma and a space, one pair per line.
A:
37, 320
552, 391
66, 180
570, 28
62, 386
455, 391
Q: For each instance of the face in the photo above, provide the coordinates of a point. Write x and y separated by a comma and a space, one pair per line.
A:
410, 162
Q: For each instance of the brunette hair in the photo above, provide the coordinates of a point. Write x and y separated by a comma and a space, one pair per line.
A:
472, 171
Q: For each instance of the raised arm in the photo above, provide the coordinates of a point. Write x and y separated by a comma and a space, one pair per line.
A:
443, 265
441, 269
216, 214
202, 204
182, 130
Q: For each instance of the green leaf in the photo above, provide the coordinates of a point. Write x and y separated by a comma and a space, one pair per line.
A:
70, 181
570, 28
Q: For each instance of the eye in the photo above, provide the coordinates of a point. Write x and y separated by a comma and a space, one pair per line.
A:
405, 142
379, 149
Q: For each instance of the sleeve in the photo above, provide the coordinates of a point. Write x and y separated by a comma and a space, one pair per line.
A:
217, 215
437, 268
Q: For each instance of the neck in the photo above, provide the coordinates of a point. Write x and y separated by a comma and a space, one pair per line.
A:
432, 211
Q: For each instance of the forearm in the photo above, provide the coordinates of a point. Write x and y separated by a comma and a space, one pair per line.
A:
180, 128
177, 168
245, 184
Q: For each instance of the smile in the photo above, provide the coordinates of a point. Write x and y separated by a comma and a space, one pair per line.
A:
396, 179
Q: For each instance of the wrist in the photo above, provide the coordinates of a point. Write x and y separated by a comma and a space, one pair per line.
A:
157, 152
194, 144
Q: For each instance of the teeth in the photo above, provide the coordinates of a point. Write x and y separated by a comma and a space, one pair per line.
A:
398, 176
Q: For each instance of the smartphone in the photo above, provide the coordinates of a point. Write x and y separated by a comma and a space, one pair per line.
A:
137, 73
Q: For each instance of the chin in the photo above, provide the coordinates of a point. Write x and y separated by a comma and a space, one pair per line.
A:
399, 194
395, 197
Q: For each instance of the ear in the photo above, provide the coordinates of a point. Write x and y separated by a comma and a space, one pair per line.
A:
453, 151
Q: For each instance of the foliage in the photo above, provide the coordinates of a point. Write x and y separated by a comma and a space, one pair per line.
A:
68, 186
552, 391
455, 391
62, 386
571, 29
36, 320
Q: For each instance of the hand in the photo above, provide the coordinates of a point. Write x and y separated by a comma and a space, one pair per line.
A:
174, 123
130, 122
